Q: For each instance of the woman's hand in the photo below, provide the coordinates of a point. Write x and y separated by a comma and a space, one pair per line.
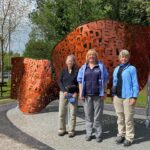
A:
81, 97
80, 92
132, 101
104, 97
75, 95
65, 93
113, 98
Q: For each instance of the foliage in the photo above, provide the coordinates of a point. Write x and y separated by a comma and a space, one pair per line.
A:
37, 49
11, 13
53, 19
7, 59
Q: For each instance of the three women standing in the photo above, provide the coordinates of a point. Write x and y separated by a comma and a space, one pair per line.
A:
92, 78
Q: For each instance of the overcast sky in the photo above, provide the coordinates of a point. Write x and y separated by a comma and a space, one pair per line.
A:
21, 36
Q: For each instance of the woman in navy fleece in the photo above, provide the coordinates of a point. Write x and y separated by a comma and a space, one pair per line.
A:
68, 86
92, 79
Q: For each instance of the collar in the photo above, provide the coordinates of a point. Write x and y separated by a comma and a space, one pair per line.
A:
124, 65
96, 65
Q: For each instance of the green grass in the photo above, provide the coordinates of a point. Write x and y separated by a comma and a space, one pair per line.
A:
7, 88
141, 101
6, 100
6, 95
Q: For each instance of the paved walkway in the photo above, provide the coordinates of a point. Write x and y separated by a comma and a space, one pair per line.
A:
39, 131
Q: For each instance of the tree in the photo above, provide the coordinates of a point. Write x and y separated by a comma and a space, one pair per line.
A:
37, 49
129, 11
53, 19
7, 56
57, 18
11, 14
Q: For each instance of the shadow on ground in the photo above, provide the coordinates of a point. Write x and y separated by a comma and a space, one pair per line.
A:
109, 129
8, 129
110, 125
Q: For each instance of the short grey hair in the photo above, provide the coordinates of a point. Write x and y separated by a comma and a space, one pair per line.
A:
124, 53
72, 57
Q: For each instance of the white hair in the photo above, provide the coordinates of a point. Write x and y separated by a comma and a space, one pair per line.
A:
71, 57
124, 53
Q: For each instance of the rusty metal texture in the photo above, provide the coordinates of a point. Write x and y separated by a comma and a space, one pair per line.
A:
32, 82
108, 38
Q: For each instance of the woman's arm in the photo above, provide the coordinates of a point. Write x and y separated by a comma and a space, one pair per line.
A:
79, 80
135, 83
80, 92
106, 75
135, 87
105, 72
115, 80
60, 82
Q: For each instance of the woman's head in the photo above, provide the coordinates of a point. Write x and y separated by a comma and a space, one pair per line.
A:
70, 61
91, 56
124, 56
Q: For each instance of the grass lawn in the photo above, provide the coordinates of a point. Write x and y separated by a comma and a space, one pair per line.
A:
141, 101
7, 88
6, 100
6, 95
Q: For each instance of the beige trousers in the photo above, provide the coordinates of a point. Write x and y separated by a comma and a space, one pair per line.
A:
63, 103
125, 121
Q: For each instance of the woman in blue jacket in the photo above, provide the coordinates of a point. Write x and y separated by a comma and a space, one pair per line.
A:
125, 92
92, 78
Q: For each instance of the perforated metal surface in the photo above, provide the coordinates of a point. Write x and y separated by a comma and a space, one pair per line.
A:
32, 82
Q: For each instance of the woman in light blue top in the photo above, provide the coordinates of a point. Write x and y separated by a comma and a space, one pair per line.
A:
125, 92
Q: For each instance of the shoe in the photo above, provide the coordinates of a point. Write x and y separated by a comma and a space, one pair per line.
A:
120, 139
127, 143
71, 134
99, 139
88, 138
61, 133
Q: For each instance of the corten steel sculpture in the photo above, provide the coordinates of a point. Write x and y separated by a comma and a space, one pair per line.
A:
32, 84
106, 36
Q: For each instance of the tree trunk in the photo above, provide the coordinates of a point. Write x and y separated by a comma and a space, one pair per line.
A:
2, 59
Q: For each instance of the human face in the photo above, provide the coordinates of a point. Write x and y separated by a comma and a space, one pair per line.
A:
92, 58
70, 63
124, 59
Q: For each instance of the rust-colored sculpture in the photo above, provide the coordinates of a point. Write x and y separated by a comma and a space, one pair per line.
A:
106, 36
32, 84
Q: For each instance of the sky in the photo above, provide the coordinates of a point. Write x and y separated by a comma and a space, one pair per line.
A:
20, 37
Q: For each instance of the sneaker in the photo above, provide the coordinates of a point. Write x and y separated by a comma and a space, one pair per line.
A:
120, 139
61, 133
99, 139
127, 143
71, 134
88, 138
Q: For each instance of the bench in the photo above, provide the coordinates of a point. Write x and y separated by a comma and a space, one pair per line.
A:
2, 84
